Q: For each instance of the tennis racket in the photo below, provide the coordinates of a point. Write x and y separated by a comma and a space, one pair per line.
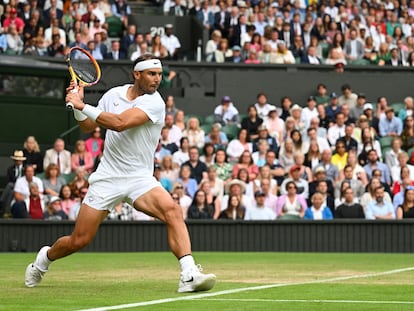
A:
82, 68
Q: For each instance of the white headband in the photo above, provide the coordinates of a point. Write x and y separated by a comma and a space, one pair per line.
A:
148, 64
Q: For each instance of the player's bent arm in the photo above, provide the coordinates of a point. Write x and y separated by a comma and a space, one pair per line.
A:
130, 118
87, 125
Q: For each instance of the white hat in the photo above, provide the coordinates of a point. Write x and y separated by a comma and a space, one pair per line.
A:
54, 199
18, 155
236, 182
368, 106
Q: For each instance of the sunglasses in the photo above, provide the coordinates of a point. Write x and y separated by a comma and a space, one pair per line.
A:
409, 188
179, 187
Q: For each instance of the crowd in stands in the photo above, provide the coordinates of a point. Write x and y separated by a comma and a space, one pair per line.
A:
279, 31
339, 156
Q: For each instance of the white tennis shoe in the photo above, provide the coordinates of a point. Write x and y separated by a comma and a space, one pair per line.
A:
193, 280
33, 274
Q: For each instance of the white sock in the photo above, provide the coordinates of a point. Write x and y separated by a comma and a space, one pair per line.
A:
187, 262
42, 261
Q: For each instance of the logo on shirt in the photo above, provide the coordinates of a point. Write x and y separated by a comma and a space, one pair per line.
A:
116, 104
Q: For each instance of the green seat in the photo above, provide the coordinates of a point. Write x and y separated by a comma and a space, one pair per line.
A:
360, 62
385, 141
397, 107
210, 119
231, 131
188, 116
206, 128
115, 27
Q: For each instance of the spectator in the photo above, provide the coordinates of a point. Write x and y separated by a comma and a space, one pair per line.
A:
175, 133
81, 158
170, 106
313, 156
217, 137
234, 208
122, 10
13, 20
53, 182
200, 208
198, 168
236, 146
182, 155
74, 210
115, 53
213, 197
128, 39
275, 125
354, 48
183, 199
349, 209
252, 122
390, 125
14, 42
80, 180
407, 135
337, 130
348, 97
332, 171
208, 154
369, 195
291, 205
367, 144
171, 42
179, 119
391, 156
302, 186
94, 144
226, 113
373, 163
195, 134
358, 110
246, 161
402, 162
406, 209
54, 210
318, 211
31, 151
333, 108
263, 107
32, 206
322, 96
67, 200
184, 178
408, 109
157, 48
379, 209
260, 211
59, 156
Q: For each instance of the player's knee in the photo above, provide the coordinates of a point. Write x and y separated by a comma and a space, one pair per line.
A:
79, 242
172, 212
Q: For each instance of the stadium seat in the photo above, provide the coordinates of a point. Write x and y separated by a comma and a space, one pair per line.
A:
188, 116
385, 141
206, 128
397, 107
210, 119
231, 131
360, 62
114, 26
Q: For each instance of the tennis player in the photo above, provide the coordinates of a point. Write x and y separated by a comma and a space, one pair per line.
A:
133, 115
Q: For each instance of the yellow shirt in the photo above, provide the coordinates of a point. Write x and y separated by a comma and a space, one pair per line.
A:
339, 161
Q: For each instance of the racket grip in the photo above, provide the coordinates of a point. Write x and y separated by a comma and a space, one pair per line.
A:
69, 105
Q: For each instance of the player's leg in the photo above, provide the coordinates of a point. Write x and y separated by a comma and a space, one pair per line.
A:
86, 226
158, 203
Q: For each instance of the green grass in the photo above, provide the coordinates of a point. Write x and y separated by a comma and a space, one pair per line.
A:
92, 280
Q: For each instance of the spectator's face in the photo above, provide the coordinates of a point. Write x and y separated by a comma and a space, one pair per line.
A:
29, 173
372, 157
317, 201
349, 195
348, 173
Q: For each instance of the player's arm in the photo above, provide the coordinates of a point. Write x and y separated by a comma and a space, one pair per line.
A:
130, 118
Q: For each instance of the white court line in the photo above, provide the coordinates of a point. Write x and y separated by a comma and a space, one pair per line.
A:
316, 301
244, 289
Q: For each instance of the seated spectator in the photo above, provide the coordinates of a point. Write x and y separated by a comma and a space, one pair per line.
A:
122, 10
223, 168
379, 208
402, 162
286, 155
246, 161
171, 42
197, 167
179, 120
169, 170
299, 145
54, 210
249, 185
212, 44
338, 129
283, 54
157, 48
217, 137
408, 109
260, 210
81, 158
234, 208
165, 182
236, 146
236, 187
67, 200
194, 133
14, 41
340, 157
349, 209
31, 152
404, 174
407, 135
319, 174
190, 184
165, 141
291, 205
74, 209
208, 155
226, 113
275, 126
369, 195
264, 135
32, 206
302, 186
357, 171
317, 211
94, 144
406, 209
373, 163
390, 125
21, 187
53, 182
183, 199
252, 122
199, 208
80, 180
213, 195
368, 144
222, 52
313, 156
332, 171
265, 174
59, 156
182, 155
259, 156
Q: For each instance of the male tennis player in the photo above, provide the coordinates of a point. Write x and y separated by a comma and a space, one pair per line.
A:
134, 115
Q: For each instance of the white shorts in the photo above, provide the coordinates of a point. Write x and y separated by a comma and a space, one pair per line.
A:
106, 193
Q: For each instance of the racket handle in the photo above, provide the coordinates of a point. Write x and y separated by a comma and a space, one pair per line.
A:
69, 105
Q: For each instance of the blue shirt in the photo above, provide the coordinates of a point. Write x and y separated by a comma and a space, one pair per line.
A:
385, 176
386, 126
326, 213
374, 209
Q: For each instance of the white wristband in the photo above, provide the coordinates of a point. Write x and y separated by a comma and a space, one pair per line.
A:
91, 112
78, 115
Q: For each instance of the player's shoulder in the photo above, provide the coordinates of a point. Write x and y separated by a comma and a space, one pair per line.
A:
118, 90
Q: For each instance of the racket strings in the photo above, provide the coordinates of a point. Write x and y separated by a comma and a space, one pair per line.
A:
85, 70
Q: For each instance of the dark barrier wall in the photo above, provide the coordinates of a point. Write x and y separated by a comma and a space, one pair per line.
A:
281, 236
